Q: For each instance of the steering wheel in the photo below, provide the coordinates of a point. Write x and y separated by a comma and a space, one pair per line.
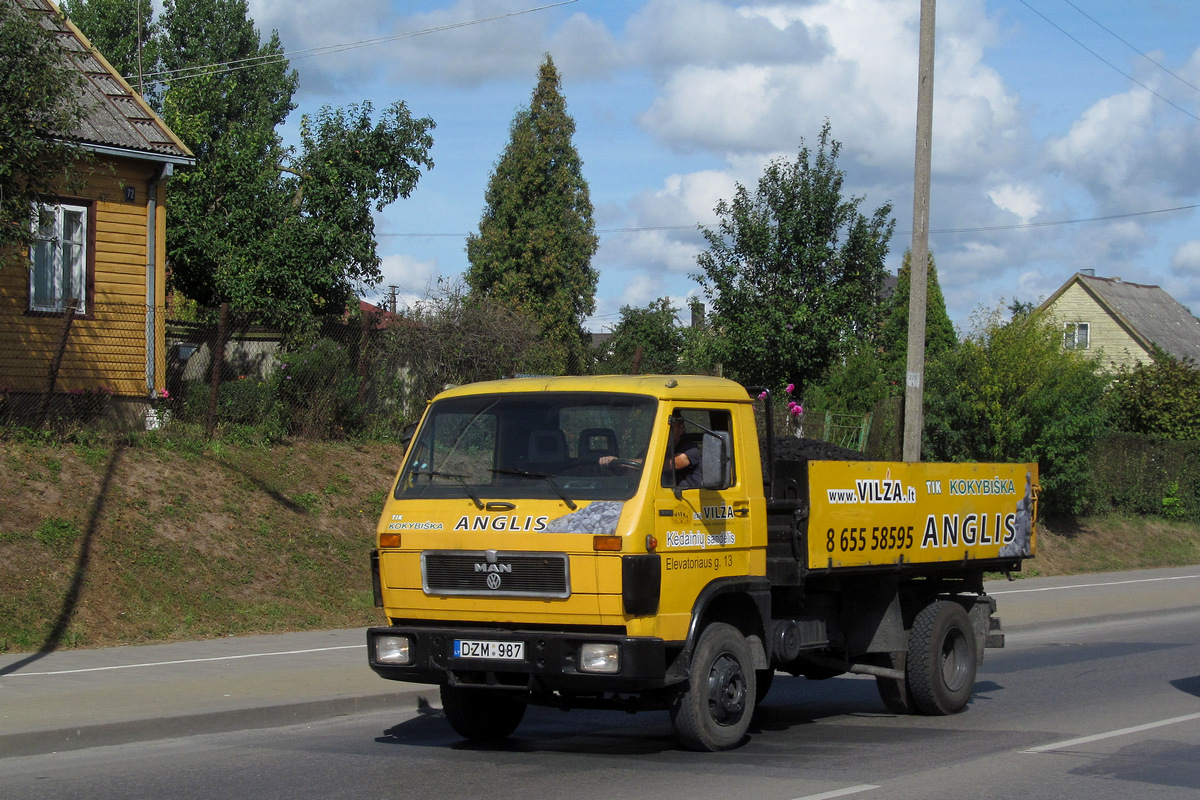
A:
628, 463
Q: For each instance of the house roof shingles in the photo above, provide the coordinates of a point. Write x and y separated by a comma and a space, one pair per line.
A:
117, 116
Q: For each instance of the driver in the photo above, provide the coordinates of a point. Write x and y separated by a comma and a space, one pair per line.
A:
686, 465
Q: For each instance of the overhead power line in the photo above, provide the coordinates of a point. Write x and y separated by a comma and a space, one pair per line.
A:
977, 229
1113, 34
237, 65
1066, 221
1108, 63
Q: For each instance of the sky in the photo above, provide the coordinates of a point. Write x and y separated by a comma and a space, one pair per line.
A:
1066, 132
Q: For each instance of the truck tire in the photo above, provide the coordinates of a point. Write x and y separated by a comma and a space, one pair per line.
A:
481, 715
941, 659
893, 692
714, 711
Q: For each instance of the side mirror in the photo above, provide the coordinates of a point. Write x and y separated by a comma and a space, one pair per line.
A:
716, 461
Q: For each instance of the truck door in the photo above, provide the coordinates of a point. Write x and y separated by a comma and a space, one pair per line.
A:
703, 532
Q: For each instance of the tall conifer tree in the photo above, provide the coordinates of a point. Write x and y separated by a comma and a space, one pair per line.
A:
537, 237
939, 330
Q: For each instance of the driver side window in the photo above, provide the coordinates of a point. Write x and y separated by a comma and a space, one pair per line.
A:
684, 467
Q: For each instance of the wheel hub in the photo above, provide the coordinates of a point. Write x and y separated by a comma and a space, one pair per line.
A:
726, 691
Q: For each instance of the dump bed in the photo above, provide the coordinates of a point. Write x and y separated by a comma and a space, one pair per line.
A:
871, 513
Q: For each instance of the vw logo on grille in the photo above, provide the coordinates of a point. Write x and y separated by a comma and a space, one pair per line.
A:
493, 580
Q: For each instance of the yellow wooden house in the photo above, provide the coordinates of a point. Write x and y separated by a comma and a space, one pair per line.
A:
102, 250
1122, 322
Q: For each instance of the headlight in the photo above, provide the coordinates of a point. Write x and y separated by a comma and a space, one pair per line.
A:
597, 657
393, 649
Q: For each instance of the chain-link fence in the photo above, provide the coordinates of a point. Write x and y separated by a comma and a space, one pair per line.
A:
131, 366
335, 376
370, 373
81, 366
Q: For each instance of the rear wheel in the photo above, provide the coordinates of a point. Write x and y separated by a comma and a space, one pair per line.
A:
942, 657
481, 715
714, 712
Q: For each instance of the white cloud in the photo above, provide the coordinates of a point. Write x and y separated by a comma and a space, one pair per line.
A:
1021, 201
859, 70
415, 279
671, 33
1185, 263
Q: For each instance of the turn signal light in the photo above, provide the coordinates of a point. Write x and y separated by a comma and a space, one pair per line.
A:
610, 543
389, 540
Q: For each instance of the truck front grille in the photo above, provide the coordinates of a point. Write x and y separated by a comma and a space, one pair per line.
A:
486, 573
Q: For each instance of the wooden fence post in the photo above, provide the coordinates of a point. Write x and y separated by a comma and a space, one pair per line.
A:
56, 362
218, 361
363, 342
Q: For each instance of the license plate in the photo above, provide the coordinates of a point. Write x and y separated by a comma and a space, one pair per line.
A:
503, 651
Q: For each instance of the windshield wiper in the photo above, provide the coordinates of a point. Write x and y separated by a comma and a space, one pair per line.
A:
462, 479
540, 476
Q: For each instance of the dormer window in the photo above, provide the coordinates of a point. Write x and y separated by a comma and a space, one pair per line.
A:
1076, 335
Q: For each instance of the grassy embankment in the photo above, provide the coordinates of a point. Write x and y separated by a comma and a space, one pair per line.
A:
103, 544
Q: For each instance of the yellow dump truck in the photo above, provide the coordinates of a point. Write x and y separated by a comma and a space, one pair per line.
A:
648, 543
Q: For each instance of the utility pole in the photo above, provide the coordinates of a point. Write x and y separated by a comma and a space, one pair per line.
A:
914, 391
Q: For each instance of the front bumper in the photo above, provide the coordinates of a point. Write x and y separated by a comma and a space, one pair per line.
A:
550, 663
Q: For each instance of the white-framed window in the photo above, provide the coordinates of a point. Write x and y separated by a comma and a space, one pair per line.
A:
1076, 335
58, 258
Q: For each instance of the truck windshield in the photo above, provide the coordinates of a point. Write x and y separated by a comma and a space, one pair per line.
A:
569, 446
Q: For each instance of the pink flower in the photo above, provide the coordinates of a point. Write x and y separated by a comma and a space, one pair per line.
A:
796, 409
791, 387
762, 396
165, 394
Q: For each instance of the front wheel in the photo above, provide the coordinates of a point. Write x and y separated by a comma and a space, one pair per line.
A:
481, 715
714, 712
942, 657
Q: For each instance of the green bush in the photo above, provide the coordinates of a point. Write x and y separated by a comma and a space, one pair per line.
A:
244, 401
852, 385
1161, 398
1011, 393
318, 387
1144, 475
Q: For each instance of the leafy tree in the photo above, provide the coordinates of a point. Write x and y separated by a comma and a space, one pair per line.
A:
316, 243
255, 223
1010, 392
450, 337
40, 108
227, 115
893, 338
794, 270
537, 236
125, 33
1161, 398
653, 329
700, 352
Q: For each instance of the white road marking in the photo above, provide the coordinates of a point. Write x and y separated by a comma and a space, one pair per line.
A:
849, 790
184, 661
1092, 585
1111, 734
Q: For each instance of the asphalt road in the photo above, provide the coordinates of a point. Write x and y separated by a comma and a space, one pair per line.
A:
1102, 702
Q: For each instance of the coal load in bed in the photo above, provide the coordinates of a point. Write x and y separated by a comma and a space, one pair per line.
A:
791, 448
789, 483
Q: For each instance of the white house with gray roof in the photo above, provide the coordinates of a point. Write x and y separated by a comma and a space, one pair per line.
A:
1121, 321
